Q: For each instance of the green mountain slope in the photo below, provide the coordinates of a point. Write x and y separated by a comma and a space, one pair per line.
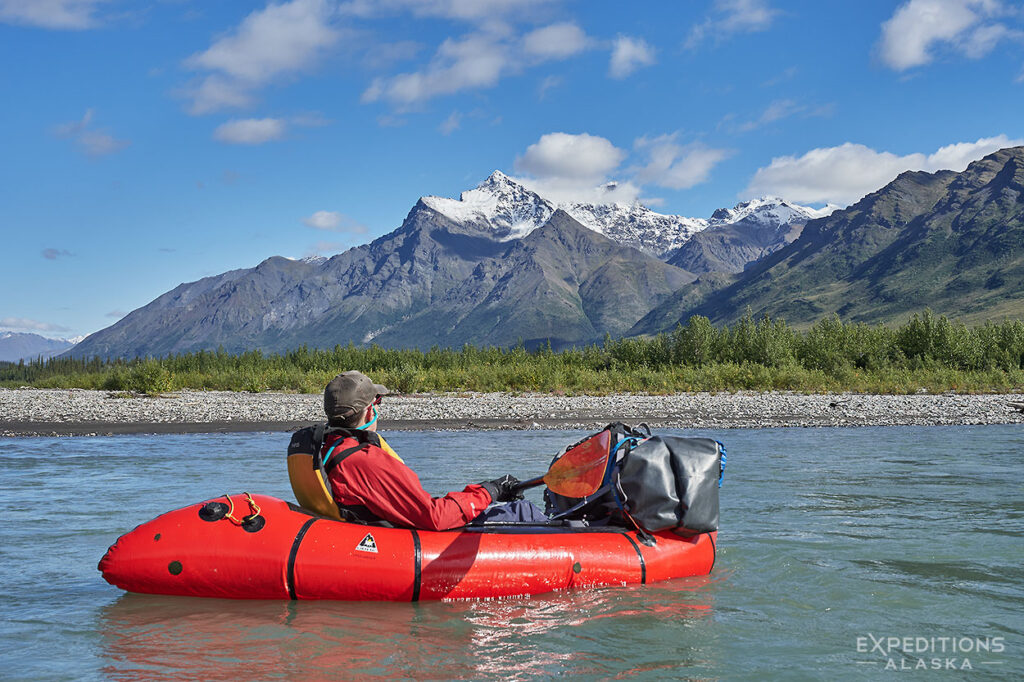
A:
953, 242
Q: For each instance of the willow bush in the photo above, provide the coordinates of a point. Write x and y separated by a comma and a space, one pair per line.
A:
928, 352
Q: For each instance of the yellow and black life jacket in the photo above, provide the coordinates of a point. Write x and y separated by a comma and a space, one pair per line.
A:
307, 471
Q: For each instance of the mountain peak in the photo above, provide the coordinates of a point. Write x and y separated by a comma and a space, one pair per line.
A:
768, 210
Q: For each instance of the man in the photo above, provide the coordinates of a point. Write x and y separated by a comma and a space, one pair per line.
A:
370, 483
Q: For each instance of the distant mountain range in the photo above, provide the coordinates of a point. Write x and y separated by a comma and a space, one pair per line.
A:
502, 264
16, 346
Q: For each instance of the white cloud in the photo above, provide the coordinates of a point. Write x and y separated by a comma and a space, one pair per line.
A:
451, 124
675, 166
628, 55
583, 157
250, 131
581, 168
332, 221
477, 60
25, 324
92, 141
556, 41
463, 10
842, 175
732, 17
55, 14
278, 40
918, 27
567, 168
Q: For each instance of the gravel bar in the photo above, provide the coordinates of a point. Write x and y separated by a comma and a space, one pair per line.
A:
54, 412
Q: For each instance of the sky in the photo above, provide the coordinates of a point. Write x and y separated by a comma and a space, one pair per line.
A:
148, 143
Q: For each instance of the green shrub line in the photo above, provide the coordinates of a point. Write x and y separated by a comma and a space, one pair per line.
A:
929, 353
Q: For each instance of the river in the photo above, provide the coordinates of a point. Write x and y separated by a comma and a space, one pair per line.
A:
842, 552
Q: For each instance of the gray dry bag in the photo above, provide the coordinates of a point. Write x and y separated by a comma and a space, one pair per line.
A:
668, 482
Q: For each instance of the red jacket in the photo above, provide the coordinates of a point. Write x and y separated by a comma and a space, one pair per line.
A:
382, 483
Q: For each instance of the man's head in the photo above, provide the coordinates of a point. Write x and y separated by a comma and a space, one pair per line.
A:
349, 399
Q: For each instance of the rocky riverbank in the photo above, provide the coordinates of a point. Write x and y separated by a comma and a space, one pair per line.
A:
80, 412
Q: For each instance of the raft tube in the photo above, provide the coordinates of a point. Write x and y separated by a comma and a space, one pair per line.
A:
271, 549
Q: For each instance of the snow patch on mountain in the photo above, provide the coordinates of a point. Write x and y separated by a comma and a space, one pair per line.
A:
769, 211
514, 212
499, 200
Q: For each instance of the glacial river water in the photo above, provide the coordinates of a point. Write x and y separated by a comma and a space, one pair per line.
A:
842, 552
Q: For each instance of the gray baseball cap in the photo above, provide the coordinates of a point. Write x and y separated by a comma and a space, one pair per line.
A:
350, 392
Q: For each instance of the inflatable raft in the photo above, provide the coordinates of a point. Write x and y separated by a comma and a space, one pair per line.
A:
261, 547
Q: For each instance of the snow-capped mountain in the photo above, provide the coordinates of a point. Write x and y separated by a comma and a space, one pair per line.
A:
514, 211
768, 211
501, 201
16, 346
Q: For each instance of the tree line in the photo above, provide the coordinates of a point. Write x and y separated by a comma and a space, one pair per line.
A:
929, 352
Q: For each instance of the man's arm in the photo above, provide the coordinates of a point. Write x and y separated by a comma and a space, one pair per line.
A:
393, 491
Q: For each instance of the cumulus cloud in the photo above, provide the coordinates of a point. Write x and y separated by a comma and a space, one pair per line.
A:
574, 168
54, 14
588, 168
919, 28
676, 166
250, 131
271, 43
54, 254
628, 55
583, 157
842, 175
730, 17
333, 221
91, 141
25, 324
556, 41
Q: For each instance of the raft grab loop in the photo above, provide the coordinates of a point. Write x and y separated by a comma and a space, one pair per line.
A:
251, 523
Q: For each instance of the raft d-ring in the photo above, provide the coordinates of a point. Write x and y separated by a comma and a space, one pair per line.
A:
253, 507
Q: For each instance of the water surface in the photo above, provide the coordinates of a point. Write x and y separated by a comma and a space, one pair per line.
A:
831, 539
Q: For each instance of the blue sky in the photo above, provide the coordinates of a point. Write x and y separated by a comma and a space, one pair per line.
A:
145, 144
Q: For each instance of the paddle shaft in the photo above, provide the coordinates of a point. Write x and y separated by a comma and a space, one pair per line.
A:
532, 483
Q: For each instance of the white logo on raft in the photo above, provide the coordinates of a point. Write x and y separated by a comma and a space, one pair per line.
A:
367, 544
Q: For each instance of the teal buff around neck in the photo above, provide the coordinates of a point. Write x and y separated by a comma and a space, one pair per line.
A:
369, 423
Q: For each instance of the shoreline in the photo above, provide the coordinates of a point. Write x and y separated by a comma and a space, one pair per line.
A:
79, 412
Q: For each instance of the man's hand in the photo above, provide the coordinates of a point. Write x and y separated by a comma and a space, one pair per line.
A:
503, 489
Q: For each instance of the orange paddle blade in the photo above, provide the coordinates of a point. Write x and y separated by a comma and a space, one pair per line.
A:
580, 471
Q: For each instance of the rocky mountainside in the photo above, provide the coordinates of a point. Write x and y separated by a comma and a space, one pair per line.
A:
742, 235
16, 346
953, 242
432, 281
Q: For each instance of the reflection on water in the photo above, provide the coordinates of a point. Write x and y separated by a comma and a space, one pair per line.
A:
173, 637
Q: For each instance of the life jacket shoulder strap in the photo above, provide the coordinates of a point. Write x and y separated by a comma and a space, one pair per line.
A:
339, 457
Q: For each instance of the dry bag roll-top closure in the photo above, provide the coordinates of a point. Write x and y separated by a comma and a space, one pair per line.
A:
658, 482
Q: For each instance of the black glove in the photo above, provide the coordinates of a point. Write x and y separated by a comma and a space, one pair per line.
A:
503, 489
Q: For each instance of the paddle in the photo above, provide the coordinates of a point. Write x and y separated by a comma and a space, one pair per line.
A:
580, 471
